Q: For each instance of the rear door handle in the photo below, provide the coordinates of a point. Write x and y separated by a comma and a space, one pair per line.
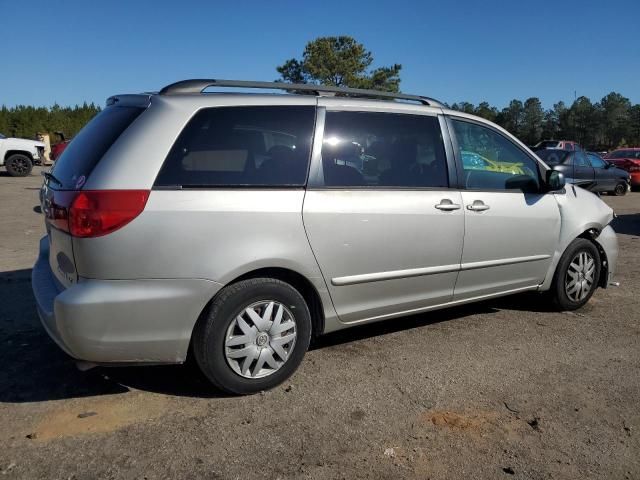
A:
447, 205
478, 206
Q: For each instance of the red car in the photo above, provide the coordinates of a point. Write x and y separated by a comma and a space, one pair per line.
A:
628, 159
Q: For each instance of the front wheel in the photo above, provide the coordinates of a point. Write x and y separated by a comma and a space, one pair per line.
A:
620, 190
253, 336
18, 165
576, 276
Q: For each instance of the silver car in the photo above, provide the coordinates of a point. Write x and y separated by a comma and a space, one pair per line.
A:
238, 226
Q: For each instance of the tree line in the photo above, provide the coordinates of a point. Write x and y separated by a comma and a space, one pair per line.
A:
25, 121
610, 123
342, 61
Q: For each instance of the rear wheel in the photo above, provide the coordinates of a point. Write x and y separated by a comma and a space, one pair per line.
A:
621, 189
253, 335
576, 276
18, 165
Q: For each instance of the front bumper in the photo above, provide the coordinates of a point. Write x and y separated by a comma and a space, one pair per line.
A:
120, 321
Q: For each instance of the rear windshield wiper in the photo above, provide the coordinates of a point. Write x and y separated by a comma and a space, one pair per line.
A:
51, 177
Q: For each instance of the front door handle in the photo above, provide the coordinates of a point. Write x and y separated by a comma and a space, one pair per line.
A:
478, 206
447, 205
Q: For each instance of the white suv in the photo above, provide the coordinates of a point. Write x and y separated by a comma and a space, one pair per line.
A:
18, 155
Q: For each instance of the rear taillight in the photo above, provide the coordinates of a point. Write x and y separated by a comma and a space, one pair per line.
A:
94, 213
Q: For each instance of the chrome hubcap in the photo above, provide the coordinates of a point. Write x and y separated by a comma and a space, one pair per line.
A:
580, 276
260, 339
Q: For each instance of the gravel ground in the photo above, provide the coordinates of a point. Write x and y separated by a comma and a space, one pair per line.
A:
501, 389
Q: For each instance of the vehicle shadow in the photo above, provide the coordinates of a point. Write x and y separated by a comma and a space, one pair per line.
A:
35, 369
628, 224
4, 173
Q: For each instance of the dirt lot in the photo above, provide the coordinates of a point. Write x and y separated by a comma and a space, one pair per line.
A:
502, 389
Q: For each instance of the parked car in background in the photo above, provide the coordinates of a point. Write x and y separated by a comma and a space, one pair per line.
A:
18, 155
58, 148
588, 170
557, 144
267, 231
628, 159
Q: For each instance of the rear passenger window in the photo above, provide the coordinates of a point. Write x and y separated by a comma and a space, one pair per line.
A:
363, 149
492, 162
242, 146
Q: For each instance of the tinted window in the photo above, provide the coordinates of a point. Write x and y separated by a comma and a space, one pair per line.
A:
596, 161
579, 160
383, 150
241, 146
89, 146
490, 161
555, 157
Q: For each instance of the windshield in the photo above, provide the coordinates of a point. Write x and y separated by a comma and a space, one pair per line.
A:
553, 157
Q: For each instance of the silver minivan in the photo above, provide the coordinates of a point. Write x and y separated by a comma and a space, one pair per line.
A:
237, 226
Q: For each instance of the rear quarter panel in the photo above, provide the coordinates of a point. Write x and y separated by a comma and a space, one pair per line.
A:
216, 235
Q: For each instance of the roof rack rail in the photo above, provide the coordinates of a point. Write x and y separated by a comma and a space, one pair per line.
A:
199, 85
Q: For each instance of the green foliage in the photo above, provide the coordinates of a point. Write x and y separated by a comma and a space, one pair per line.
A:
612, 122
25, 121
532, 120
339, 61
511, 117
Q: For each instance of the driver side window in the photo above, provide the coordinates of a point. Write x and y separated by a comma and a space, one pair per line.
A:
597, 162
490, 161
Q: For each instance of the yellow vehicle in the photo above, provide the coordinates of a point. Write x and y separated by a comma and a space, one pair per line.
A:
474, 161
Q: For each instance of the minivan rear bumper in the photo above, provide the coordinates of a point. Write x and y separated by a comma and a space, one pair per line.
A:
120, 321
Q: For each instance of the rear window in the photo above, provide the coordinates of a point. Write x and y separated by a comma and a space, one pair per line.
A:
548, 144
87, 148
553, 157
241, 146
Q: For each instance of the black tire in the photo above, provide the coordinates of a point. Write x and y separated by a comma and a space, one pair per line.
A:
558, 289
620, 190
210, 333
18, 165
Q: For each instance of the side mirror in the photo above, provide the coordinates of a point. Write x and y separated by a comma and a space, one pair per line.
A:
555, 180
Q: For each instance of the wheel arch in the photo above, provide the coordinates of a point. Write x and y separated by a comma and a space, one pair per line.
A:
9, 153
293, 278
592, 235
589, 232
300, 283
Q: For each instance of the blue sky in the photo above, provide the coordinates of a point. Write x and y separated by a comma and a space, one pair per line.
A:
72, 51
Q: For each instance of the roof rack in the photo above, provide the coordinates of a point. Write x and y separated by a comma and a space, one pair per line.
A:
199, 85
